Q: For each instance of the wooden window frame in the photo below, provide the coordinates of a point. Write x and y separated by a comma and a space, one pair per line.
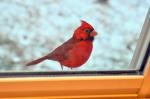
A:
112, 87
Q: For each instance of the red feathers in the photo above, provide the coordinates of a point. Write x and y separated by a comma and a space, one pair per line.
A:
74, 52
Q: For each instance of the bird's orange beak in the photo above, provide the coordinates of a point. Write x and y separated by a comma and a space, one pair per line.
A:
93, 33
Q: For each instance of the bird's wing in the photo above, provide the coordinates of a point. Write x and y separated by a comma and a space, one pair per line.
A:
60, 53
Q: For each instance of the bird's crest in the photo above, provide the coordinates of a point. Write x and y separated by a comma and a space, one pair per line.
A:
85, 24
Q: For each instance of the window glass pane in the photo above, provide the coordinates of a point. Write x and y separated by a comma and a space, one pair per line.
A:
31, 29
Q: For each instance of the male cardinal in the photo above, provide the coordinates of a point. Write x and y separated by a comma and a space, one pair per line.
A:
74, 52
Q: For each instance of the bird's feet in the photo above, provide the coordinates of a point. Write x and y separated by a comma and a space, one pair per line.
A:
61, 66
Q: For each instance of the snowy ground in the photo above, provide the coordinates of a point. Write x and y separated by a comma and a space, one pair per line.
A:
30, 29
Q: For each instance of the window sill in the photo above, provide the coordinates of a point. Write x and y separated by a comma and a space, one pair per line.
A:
52, 87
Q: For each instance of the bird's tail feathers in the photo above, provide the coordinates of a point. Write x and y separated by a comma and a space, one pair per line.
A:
37, 60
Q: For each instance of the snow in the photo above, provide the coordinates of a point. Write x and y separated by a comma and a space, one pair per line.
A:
31, 29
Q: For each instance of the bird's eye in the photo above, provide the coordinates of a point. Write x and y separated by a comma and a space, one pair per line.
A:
87, 30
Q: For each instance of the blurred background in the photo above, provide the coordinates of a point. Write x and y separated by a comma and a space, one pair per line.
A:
30, 29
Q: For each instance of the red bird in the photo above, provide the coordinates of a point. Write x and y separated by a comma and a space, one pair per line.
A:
74, 52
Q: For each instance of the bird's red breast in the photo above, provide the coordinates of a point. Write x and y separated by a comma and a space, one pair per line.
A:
78, 55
